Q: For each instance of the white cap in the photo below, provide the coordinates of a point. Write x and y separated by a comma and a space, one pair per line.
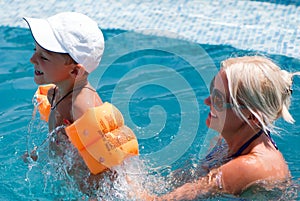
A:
72, 33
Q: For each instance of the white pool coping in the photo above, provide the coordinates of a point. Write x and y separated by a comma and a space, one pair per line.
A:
248, 25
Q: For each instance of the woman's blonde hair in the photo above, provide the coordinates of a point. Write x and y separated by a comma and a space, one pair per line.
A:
259, 84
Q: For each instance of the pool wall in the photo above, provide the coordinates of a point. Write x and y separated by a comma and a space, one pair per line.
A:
248, 25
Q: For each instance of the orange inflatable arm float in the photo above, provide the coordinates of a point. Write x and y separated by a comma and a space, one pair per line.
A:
99, 134
44, 106
102, 139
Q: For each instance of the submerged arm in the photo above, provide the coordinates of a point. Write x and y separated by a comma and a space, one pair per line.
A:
232, 177
211, 183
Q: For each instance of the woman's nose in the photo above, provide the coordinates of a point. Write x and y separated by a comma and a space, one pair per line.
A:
207, 101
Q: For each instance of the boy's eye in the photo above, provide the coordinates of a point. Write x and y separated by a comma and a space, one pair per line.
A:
40, 54
44, 58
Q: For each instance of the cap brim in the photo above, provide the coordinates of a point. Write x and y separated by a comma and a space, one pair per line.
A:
43, 35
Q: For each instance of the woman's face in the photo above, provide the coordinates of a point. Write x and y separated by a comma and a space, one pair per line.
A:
221, 117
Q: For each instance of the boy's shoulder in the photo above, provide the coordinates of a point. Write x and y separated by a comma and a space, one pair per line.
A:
86, 98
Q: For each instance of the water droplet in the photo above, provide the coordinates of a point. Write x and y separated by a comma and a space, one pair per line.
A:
101, 160
85, 132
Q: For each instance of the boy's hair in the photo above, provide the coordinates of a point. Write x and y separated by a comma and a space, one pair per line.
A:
68, 59
72, 33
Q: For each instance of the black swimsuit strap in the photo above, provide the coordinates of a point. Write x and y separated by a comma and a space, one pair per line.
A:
53, 107
271, 139
53, 95
67, 94
240, 151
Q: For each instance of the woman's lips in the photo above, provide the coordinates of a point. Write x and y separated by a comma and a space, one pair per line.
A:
37, 72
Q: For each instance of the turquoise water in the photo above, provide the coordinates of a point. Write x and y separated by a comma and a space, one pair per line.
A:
159, 84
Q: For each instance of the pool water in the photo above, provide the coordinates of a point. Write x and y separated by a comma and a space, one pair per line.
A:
158, 83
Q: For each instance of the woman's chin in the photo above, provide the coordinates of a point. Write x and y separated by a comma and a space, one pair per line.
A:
207, 122
211, 125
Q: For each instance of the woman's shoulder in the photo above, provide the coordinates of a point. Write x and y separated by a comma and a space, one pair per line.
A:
240, 173
261, 162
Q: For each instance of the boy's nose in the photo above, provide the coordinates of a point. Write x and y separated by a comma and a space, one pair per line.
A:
32, 59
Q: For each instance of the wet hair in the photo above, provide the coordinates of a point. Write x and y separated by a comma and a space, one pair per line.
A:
69, 59
259, 84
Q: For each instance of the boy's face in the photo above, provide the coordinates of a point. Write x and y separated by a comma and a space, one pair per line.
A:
49, 67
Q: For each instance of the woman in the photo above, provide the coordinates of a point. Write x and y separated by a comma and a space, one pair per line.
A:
246, 97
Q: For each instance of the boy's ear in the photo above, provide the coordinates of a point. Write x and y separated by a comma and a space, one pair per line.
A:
77, 70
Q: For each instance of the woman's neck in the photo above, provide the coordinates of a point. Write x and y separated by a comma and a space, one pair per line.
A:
237, 139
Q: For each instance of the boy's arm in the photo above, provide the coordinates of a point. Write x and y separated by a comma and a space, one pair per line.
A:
83, 101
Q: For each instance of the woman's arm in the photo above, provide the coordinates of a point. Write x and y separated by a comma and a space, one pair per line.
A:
211, 183
232, 177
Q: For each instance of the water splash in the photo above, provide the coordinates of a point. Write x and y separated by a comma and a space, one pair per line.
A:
65, 177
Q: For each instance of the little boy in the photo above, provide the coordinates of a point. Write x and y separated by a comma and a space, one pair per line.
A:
69, 46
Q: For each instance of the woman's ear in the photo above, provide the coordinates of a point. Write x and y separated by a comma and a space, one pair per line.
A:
252, 119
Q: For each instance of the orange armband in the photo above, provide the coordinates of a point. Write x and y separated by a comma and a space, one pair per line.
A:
102, 139
44, 106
